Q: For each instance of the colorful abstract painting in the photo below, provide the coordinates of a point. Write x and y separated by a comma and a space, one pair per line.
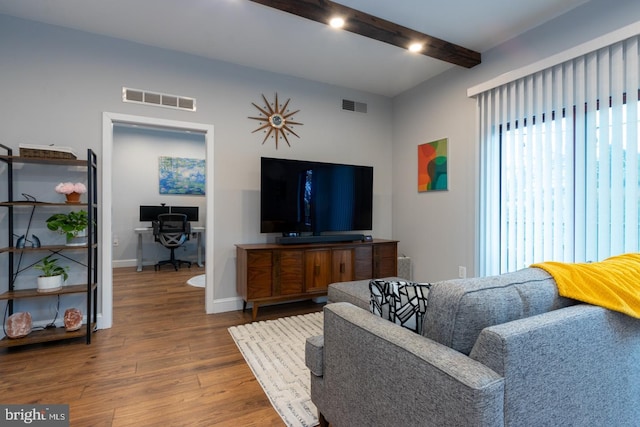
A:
181, 175
432, 166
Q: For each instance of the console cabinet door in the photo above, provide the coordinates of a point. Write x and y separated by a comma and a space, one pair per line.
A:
259, 274
317, 269
289, 273
342, 265
385, 260
363, 262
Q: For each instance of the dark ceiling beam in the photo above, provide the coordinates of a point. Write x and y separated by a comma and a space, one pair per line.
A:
376, 28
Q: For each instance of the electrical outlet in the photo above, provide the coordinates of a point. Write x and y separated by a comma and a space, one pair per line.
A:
462, 272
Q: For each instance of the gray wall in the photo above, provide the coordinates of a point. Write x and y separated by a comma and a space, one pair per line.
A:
438, 230
56, 83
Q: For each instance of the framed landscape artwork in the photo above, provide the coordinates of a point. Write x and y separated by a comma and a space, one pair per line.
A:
432, 166
179, 175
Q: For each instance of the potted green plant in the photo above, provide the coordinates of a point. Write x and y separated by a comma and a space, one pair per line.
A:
72, 225
53, 275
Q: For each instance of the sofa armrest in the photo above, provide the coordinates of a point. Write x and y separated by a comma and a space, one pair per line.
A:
314, 354
579, 365
378, 373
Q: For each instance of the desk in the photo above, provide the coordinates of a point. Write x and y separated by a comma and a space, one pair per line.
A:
197, 231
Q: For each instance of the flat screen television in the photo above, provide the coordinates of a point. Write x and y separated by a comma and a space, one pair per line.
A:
313, 197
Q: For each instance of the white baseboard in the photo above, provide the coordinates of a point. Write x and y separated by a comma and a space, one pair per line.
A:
224, 305
126, 263
100, 323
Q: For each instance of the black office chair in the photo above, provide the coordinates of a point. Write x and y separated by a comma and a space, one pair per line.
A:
172, 231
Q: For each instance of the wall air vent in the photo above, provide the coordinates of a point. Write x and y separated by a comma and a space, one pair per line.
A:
358, 107
159, 99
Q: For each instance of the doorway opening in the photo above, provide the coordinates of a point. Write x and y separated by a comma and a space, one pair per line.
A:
111, 120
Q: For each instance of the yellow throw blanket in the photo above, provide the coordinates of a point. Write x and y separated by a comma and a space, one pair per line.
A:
613, 283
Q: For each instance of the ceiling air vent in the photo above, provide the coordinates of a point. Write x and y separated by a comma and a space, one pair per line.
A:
358, 107
158, 99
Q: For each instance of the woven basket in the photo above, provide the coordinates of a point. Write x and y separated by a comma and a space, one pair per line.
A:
45, 154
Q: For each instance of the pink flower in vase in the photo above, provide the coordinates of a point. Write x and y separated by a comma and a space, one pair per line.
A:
70, 187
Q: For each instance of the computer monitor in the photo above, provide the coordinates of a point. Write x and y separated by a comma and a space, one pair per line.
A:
190, 211
150, 213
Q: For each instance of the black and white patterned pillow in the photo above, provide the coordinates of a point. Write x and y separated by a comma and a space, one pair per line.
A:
399, 301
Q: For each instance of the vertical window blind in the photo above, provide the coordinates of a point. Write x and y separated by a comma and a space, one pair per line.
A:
559, 163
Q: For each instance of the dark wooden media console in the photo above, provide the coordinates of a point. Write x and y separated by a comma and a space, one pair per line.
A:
268, 273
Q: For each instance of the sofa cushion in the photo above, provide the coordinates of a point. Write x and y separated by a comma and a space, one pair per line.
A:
459, 309
401, 302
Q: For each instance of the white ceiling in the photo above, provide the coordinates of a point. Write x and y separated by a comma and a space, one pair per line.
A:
246, 33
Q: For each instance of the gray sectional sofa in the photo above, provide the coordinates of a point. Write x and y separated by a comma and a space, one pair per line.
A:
495, 351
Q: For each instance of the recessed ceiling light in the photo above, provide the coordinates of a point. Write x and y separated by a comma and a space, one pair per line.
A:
415, 47
337, 22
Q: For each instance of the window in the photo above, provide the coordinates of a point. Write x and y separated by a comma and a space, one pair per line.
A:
560, 163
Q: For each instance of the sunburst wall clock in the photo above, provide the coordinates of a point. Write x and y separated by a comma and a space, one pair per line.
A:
276, 121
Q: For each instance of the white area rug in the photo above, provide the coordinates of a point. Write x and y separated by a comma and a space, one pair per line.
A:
274, 350
197, 281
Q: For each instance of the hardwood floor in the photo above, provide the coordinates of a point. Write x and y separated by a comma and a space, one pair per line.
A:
164, 361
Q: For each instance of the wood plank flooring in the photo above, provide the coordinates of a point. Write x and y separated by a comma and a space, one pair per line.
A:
164, 361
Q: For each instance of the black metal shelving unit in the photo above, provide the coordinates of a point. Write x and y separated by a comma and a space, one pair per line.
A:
90, 288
